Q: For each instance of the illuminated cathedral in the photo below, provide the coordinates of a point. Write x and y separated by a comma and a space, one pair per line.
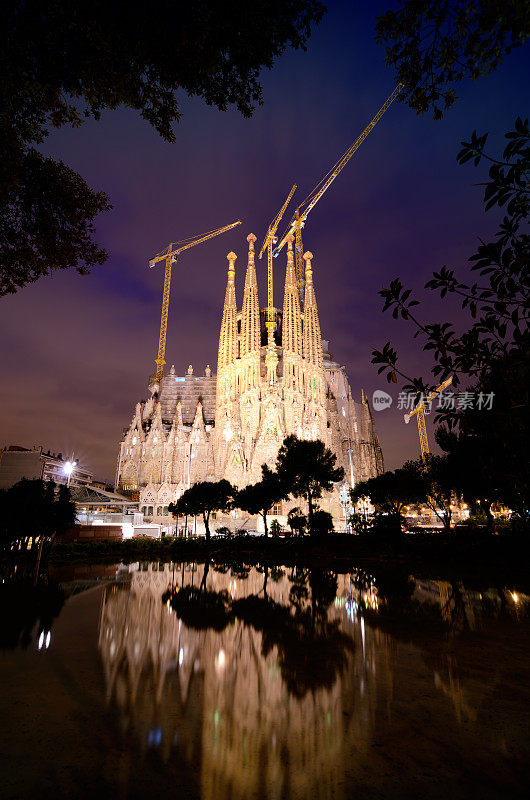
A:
272, 380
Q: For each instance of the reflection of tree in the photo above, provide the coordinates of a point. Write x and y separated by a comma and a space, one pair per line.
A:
311, 650
200, 609
224, 700
310, 655
22, 607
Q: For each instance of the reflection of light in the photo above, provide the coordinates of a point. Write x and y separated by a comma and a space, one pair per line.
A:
351, 609
362, 635
221, 659
44, 640
181, 656
515, 597
154, 737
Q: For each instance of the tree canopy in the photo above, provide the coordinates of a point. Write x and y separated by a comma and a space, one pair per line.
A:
307, 468
203, 498
62, 64
437, 480
32, 509
258, 498
391, 491
434, 44
490, 357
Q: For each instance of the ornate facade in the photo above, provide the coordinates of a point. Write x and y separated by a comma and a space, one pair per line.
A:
270, 383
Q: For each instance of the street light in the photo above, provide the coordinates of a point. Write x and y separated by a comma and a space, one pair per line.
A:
68, 469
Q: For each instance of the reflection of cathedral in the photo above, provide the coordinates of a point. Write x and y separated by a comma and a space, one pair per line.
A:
269, 384
225, 707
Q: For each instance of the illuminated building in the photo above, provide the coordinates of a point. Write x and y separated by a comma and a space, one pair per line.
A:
227, 425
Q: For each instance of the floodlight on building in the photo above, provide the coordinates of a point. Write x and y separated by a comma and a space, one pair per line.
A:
68, 469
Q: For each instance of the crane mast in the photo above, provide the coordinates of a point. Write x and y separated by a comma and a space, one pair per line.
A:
298, 220
419, 411
268, 242
170, 255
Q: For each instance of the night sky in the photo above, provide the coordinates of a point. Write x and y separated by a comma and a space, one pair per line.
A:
77, 351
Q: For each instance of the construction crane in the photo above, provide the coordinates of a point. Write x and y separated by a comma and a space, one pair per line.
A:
301, 213
170, 255
268, 242
419, 411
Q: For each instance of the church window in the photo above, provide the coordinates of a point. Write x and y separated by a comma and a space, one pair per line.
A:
150, 511
159, 511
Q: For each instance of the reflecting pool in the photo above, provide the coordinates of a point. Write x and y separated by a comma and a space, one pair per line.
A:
231, 681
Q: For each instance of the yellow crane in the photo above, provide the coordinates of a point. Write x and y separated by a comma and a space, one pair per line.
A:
268, 242
419, 411
170, 255
301, 213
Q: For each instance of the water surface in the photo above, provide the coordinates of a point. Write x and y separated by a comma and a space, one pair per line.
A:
240, 682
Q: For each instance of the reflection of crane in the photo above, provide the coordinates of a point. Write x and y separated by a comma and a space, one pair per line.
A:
170, 255
420, 414
298, 220
269, 240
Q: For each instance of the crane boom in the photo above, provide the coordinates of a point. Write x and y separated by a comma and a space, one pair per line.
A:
269, 240
169, 255
300, 215
419, 411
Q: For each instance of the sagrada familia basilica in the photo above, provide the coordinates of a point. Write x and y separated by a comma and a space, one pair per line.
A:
270, 383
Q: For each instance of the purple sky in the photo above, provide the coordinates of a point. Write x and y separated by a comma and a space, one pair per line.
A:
77, 351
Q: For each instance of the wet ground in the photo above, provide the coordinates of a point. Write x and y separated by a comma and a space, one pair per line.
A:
236, 682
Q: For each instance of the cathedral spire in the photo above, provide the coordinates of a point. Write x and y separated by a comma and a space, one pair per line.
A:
291, 321
312, 336
228, 335
250, 324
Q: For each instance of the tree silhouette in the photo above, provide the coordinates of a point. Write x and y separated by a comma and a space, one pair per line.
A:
433, 44
203, 498
258, 498
307, 468
491, 357
61, 64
